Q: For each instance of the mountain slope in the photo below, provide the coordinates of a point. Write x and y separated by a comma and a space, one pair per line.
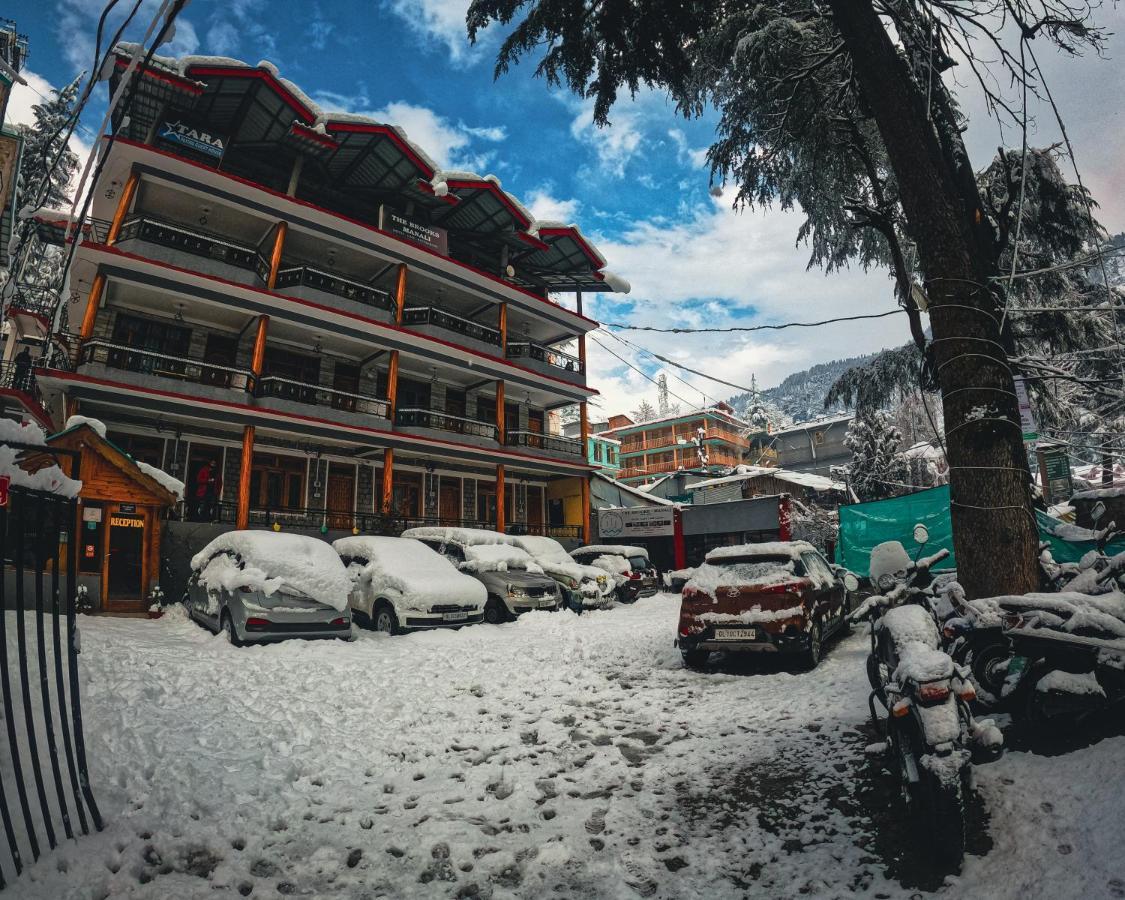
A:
800, 396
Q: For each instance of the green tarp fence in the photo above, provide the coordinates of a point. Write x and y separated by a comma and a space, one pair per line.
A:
864, 525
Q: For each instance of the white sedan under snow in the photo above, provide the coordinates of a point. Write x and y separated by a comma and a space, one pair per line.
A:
400, 584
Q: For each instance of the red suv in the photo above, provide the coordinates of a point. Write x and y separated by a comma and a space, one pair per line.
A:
754, 598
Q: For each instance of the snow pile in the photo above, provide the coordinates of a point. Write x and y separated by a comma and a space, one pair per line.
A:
268, 561
408, 572
499, 558
96, 424
791, 549
908, 624
888, 558
166, 481
1066, 611
465, 537
1070, 683
754, 616
554, 559
765, 573
613, 550
919, 663
49, 478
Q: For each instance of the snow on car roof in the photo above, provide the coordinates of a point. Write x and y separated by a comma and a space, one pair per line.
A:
465, 536
499, 558
271, 560
613, 550
406, 567
792, 549
540, 547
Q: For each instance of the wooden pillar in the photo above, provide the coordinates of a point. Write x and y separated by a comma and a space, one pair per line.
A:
275, 257
400, 293
500, 511
501, 420
91, 313
585, 489
123, 204
392, 386
258, 358
388, 481
503, 324
584, 429
242, 520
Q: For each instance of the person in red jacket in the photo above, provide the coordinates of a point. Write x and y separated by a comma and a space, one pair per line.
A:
208, 487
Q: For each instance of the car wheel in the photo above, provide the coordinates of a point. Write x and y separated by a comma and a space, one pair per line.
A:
493, 612
385, 620
695, 659
229, 631
811, 656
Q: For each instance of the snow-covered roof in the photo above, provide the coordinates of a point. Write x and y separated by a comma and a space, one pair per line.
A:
688, 414
745, 473
275, 560
408, 572
813, 423
170, 483
499, 558
49, 478
629, 489
613, 550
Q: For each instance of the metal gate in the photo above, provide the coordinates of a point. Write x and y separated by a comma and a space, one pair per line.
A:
44, 782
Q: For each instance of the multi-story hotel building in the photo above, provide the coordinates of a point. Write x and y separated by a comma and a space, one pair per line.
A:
354, 337
672, 443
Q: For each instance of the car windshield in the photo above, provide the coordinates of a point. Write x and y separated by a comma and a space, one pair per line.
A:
637, 562
756, 569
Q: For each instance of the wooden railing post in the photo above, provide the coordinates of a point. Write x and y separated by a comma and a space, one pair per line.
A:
500, 417
503, 327
387, 496
400, 293
275, 256
242, 519
500, 511
123, 205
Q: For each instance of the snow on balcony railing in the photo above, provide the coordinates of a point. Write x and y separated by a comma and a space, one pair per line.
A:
544, 354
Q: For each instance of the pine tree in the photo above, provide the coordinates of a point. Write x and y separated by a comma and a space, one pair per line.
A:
645, 412
41, 182
878, 468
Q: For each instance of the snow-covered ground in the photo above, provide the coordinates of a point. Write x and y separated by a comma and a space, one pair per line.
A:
556, 756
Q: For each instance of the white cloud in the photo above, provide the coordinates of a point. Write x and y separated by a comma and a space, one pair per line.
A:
545, 207
451, 144
440, 23
687, 156
77, 20
720, 268
615, 144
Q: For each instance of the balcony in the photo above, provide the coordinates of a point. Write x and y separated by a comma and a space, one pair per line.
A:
306, 281
431, 321
554, 444
32, 298
185, 246
274, 386
548, 360
149, 363
433, 420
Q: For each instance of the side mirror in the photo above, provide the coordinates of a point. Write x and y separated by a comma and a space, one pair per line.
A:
851, 582
921, 534
1097, 510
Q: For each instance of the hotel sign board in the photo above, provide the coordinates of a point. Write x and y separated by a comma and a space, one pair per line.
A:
635, 522
191, 138
436, 239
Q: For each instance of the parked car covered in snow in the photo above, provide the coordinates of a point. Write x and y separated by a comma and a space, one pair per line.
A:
515, 582
637, 578
400, 584
265, 586
586, 587
753, 598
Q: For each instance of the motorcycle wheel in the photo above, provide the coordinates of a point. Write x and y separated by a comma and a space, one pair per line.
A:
989, 666
873, 674
942, 817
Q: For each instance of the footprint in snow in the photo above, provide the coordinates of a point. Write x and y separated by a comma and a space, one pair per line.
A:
596, 823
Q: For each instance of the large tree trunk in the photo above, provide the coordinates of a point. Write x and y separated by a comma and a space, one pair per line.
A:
994, 531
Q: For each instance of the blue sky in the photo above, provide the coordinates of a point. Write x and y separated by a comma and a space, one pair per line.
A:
640, 188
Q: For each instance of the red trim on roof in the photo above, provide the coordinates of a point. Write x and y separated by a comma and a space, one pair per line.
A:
426, 188
104, 248
266, 412
262, 75
578, 239
533, 241
388, 131
364, 225
172, 78
30, 404
486, 185
307, 132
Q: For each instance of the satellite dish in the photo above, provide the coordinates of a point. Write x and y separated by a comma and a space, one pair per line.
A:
510, 271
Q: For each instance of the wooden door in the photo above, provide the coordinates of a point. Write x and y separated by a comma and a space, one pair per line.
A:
124, 575
449, 500
341, 496
534, 505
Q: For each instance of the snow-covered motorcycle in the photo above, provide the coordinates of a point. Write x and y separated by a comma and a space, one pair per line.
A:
931, 735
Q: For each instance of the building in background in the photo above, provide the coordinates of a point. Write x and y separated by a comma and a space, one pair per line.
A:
676, 443
601, 451
306, 304
812, 446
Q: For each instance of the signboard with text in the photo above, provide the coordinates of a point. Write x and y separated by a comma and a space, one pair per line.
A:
184, 135
1027, 415
428, 236
1054, 468
638, 521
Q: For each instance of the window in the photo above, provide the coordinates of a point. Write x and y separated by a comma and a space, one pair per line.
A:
455, 402
486, 408
153, 336
599, 452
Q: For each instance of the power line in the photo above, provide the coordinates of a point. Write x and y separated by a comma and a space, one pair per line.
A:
641, 349
740, 328
640, 372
